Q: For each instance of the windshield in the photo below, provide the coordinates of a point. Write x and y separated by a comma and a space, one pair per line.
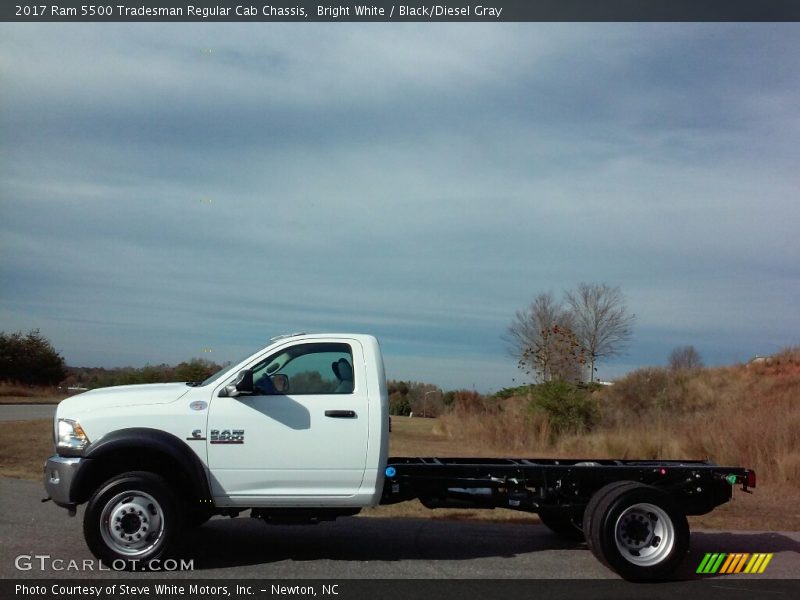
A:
222, 371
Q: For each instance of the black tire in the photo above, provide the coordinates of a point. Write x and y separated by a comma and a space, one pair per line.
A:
132, 520
195, 517
591, 508
562, 523
639, 532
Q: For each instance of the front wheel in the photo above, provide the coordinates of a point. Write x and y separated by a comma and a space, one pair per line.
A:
131, 521
639, 532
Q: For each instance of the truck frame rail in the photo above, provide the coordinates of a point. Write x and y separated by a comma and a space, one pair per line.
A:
533, 484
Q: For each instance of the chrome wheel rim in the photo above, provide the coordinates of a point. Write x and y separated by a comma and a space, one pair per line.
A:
132, 523
644, 534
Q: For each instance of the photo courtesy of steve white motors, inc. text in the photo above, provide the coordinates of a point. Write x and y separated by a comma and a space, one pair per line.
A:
74, 590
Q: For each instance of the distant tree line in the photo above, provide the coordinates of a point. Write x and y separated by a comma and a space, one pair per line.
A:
196, 369
30, 359
417, 398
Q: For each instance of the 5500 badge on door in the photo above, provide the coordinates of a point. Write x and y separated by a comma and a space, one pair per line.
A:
227, 436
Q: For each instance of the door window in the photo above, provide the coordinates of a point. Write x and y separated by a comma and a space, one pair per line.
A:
325, 368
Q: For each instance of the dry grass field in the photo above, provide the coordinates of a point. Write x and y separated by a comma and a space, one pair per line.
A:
26, 394
743, 415
25, 444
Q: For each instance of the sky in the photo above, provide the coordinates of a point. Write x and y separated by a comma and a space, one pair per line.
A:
170, 191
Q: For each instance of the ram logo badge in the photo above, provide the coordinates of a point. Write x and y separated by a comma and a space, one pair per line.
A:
227, 436
197, 435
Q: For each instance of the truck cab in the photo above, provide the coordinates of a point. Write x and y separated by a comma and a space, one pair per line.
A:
300, 424
311, 428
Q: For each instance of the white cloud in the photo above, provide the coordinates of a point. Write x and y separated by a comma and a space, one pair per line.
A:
418, 182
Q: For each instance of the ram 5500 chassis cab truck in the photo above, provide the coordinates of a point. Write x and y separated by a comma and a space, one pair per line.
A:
299, 433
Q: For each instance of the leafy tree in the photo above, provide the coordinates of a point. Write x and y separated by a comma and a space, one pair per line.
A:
401, 387
685, 358
542, 340
30, 359
557, 355
399, 404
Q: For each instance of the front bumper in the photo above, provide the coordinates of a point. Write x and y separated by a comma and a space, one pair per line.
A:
59, 474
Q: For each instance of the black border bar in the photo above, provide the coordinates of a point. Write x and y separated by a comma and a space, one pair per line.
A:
410, 11
722, 588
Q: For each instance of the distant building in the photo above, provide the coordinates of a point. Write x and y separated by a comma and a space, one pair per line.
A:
760, 360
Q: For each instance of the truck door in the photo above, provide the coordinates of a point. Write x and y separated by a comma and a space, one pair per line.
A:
307, 439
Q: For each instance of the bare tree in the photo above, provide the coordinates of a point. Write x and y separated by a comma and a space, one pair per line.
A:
541, 339
600, 320
685, 358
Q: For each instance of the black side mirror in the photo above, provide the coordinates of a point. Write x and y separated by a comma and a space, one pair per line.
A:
244, 382
241, 386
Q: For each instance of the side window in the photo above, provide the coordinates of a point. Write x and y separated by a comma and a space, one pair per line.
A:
307, 369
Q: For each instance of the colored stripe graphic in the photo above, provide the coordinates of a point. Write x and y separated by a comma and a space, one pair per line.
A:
704, 563
738, 566
727, 564
717, 563
765, 563
758, 563
734, 563
728, 561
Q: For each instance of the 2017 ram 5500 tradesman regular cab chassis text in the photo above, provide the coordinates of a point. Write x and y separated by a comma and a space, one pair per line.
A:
299, 432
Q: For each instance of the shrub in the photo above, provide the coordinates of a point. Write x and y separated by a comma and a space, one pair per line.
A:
568, 407
521, 390
634, 395
653, 391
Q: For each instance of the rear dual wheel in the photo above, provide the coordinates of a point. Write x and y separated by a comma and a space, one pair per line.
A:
637, 530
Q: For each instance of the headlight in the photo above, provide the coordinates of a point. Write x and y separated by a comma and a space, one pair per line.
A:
70, 435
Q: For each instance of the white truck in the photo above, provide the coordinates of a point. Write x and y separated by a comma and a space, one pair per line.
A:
299, 432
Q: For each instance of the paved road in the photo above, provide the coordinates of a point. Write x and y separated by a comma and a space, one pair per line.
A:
352, 548
26, 412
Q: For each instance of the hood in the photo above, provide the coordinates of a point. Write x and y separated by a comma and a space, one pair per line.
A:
122, 395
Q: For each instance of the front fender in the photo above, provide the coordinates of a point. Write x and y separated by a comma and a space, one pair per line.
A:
132, 448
